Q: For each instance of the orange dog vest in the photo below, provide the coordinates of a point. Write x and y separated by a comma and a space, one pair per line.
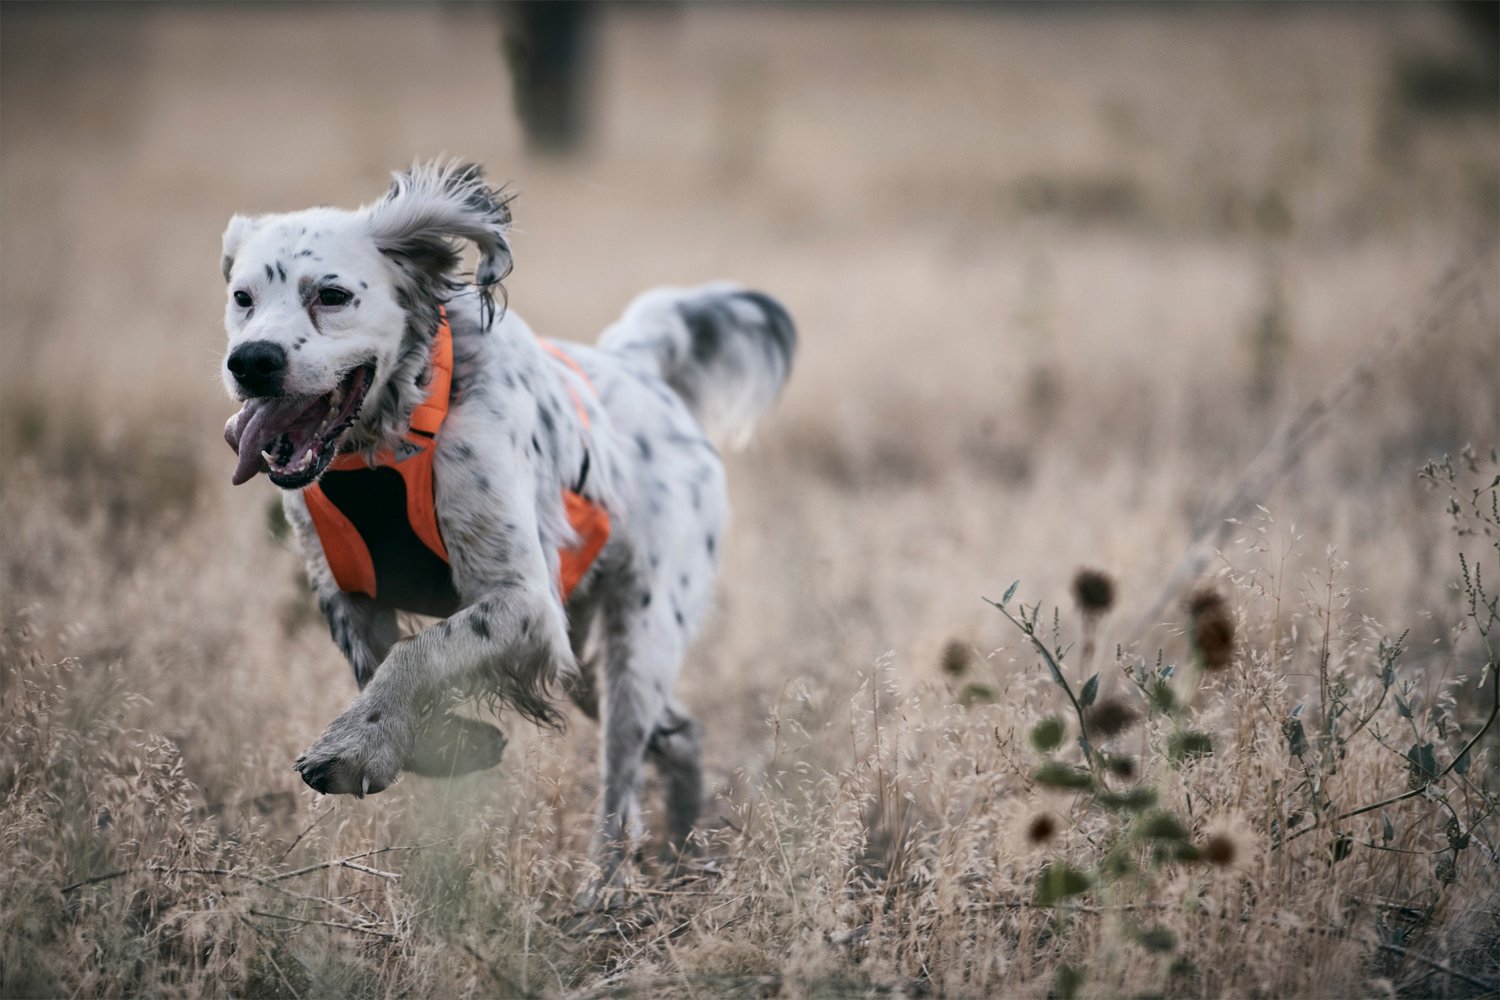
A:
378, 523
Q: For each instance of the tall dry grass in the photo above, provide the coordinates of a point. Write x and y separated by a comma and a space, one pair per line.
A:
1052, 318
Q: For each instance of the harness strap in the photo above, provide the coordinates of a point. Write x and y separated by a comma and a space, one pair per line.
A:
348, 552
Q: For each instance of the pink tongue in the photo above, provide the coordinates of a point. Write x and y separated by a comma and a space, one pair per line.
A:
250, 430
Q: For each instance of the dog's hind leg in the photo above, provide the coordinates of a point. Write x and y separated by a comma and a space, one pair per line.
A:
676, 748
640, 660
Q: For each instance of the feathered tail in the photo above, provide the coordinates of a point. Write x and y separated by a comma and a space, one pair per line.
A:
725, 350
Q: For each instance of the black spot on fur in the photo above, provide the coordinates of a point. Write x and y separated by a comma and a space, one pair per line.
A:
373, 717
447, 629
363, 285
304, 253
226, 265
281, 272
481, 628
646, 600
643, 446
270, 274
712, 544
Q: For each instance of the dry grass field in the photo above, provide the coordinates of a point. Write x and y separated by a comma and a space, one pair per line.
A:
1186, 295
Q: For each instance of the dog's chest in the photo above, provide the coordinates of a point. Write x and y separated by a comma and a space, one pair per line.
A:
404, 571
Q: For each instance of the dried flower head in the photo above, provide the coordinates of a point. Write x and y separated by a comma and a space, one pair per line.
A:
1220, 851
1226, 845
957, 658
1093, 591
1041, 828
1110, 717
1032, 829
1211, 628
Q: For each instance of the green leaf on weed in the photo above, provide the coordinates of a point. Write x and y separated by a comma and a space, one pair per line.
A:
1157, 938
1421, 765
1059, 775
1162, 697
1343, 846
1058, 881
1090, 691
1137, 799
1296, 736
1067, 983
1009, 593
976, 694
1162, 826
1048, 734
1402, 707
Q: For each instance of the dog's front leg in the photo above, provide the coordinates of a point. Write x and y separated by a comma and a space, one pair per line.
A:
363, 629
508, 642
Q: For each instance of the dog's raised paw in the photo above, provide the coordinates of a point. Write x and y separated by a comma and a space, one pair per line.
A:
338, 767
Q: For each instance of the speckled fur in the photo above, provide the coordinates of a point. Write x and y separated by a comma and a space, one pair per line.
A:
512, 443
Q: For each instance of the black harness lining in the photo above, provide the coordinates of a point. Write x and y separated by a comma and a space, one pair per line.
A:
408, 575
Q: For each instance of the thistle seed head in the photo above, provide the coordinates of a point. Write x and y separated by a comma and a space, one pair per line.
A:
1093, 591
1211, 628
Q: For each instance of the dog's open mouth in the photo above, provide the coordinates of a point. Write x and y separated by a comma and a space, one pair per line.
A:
292, 439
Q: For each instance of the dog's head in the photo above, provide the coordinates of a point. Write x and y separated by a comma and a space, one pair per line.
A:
331, 315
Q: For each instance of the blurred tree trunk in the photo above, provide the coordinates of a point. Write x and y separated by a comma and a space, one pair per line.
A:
548, 46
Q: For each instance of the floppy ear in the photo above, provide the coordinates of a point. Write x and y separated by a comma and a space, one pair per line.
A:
234, 236
431, 207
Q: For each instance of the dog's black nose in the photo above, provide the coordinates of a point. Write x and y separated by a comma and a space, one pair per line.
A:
258, 366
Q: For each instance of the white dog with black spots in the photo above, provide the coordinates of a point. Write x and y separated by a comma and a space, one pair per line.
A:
331, 318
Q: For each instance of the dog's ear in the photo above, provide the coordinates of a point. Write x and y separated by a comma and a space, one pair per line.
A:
433, 206
239, 227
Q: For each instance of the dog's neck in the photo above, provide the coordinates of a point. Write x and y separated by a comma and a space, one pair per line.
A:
386, 416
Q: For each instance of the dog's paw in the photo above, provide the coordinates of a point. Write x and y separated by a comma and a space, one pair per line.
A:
450, 745
356, 759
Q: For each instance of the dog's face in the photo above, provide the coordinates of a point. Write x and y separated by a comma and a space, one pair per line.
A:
330, 311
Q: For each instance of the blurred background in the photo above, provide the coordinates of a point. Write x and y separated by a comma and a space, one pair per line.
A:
1062, 274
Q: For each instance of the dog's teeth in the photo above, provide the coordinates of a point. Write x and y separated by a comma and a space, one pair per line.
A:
270, 459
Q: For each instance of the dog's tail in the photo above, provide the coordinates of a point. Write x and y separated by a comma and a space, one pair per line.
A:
725, 350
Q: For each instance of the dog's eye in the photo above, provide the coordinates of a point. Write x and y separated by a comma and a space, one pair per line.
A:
333, 297
243, 300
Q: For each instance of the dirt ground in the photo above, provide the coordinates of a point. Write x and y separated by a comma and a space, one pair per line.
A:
1059, 274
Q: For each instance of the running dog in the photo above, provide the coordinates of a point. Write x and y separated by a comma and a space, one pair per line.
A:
560, 508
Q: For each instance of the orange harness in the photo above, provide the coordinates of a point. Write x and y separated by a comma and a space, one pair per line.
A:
378, 523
